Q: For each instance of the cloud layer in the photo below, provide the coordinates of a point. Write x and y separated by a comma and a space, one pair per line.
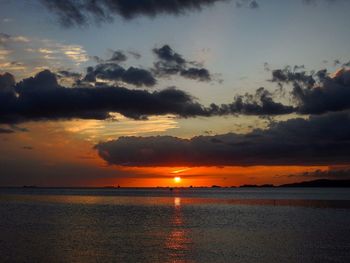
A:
81, 12
42, 98
22, 56
318, 140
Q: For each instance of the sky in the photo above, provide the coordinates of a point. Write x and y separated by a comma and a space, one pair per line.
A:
135, 93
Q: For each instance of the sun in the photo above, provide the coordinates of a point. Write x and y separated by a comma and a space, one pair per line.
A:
177, 179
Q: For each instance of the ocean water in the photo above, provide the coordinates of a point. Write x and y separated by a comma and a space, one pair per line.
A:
183, 225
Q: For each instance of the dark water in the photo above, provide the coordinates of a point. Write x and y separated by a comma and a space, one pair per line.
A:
187, 225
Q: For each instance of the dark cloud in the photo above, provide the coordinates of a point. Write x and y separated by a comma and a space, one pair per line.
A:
166, 53
68, 74
6, 131
138, 77
200, 74
42, 98
168, 63
118, 56
247, 3
114, 72
82, 12
261, 103
317, 92
7, 81
172, 63
286, 75
11, 128
41, 82
253, 4
318, 140
136, 55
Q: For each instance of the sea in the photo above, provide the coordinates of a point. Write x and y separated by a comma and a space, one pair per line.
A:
180, 225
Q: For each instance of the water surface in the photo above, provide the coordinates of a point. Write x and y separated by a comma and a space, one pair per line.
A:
184, 225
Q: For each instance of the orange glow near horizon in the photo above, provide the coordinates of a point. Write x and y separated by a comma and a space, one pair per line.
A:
69, 154
177, 179
208, 176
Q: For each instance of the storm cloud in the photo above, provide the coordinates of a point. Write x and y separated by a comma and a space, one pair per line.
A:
320, 140
82, 12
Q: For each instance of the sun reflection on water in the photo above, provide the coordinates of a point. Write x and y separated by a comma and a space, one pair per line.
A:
178, 242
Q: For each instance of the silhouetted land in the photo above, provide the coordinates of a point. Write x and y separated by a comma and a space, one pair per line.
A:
320, 183
313, 183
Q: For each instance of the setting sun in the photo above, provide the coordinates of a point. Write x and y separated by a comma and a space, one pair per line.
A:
177, 179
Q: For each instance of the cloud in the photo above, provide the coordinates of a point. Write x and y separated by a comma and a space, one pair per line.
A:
82, 12
42, 98
315, 141
168, 63
7, 81
317, 92
6, 131
171, 63
24, 56
261, 103
68, 74
118, 56
286, 75
166, 53
85, 12
6, 38
252, 4
200, 74
114, 72
332, 173
135, 54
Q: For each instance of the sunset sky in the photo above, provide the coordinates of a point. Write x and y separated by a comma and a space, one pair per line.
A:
136, 93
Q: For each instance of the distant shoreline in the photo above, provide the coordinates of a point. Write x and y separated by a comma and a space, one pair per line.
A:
320, 183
